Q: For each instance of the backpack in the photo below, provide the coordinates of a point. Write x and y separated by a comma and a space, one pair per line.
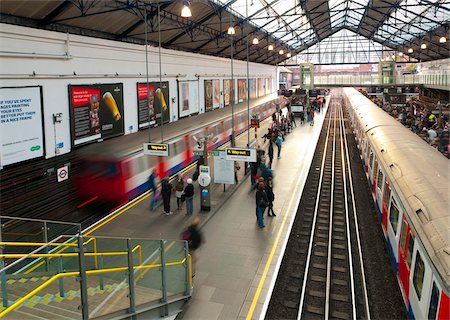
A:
278, 141
186, 235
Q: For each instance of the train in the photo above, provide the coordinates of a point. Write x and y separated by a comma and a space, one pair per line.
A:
117, 170
409, 182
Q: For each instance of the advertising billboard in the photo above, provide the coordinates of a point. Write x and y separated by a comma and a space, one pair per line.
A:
216, 90
188, 98
96, 112
208, 95
242, 90
21, 123
151, 99
261, 87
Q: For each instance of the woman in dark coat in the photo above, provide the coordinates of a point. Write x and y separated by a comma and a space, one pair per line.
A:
270, 197
261, 202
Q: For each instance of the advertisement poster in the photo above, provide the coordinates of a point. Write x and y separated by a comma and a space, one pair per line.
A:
149, 110
242, 90
223, 169
261, 85
216, 90
21, 134
183, 89
226, 92
252, 85
96, 111
208, 95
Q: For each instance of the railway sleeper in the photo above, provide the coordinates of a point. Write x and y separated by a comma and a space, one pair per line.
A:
340, 315
339, 256
339, 246
339, 269
339, 297
314, 310
319, 266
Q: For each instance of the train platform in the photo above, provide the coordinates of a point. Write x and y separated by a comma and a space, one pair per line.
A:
236, 264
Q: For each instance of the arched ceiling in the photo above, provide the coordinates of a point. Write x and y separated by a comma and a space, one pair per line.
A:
291, 25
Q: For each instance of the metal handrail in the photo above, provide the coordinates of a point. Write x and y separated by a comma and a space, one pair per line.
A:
19, 302
41, 220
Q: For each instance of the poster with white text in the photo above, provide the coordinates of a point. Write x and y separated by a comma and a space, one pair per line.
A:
21, 133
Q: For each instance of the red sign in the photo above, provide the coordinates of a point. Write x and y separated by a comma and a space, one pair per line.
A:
82, 96
143, 91
254, 123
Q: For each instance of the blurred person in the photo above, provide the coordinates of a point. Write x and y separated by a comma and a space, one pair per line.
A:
432, 134
237, 167
179, 187
152, 179
189, 194
166, 191
270, 153
270, 197
262, 202
278, 142
194, 239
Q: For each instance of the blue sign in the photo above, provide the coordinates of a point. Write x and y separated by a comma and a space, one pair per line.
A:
60, 145
205, 193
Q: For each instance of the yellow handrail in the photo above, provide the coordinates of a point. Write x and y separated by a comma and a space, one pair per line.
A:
36, 244
19, 302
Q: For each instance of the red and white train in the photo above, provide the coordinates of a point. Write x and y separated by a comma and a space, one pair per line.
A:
410, 186
117, 170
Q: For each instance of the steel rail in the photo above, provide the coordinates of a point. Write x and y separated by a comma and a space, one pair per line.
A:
330, 227
313, 226
355, 217
344, 178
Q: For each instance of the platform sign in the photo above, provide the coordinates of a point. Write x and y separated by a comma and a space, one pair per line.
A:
223, 168
241, 154
204, 178
62, 173
156, 149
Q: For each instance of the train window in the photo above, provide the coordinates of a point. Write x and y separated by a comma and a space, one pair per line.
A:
393, 216
380, 179
387, 191
419, 271
371, 159
432, 310
410, 250
403, 240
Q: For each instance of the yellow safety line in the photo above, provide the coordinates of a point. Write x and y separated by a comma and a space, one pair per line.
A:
269, 260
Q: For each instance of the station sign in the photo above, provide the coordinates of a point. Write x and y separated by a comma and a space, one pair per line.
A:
156, 149
254, 123
241, 154
62, 173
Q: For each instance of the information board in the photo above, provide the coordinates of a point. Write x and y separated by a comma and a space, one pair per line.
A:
21, 133
223, 168
241, 154
156, 149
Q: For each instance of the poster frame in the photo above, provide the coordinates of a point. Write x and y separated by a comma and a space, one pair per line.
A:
158, 122
44, 146
72, 115
179, 100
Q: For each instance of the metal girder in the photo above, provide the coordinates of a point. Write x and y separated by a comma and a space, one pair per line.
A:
56, 12
385, 16
150, 16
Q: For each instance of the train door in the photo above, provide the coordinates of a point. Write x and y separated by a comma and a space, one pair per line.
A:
405, 252
379, 192
370, 167
438, 307
374, 178
420, 286
393, 230
384, 207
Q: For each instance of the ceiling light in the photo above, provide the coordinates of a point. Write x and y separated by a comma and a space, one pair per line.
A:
410, 50
400, 54
443, 40
231, 30
255, 40
270, 48
382, 59
281, 51
288, 55
423, 46
393, 56
186, 11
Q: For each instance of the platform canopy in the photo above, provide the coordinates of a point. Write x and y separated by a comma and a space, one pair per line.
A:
294, 26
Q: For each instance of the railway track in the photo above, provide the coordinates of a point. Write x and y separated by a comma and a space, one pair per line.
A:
322, 276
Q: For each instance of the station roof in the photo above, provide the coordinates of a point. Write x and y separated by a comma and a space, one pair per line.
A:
291, 25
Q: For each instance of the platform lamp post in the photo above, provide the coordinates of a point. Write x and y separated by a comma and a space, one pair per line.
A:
146, 73
161, 98
231, 32
248, 80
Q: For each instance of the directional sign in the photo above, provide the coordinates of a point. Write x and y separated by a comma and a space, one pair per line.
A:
241, 154
62, 173
156, 149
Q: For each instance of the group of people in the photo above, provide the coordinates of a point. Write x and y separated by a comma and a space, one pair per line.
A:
184, 192
420, 120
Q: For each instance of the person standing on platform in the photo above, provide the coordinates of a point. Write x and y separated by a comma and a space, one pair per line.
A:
278, 142
237, 167
152, 188
189, 194
270, 197
194, 238
312, 118
166, 191
261, 202
179, 187
270, 153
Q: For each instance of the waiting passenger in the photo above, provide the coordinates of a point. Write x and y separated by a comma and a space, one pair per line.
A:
189, 196
152, 183
166, 190
262, 202
270, 197
179, 187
